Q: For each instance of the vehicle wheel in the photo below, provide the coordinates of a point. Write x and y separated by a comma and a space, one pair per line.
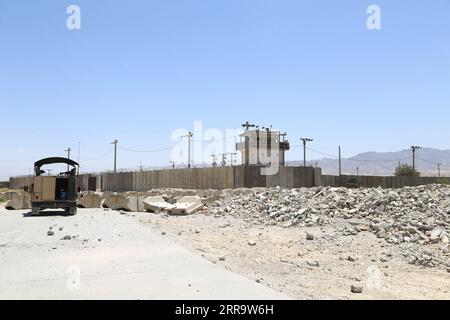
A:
34, 211
71, 211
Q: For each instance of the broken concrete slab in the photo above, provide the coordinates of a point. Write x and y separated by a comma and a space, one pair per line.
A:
19, 201
123, 202
155, 204
186, 205
90, 200
9, 194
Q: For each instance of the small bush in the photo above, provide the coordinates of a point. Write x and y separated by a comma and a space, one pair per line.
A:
443, 181
405, 170
2, 199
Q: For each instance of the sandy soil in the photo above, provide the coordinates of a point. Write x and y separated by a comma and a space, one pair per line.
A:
283, 259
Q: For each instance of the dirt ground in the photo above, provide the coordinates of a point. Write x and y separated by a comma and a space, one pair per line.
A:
283, 259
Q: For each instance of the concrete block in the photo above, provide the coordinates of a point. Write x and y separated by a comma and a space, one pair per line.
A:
135, 203
106, 194
115, 201
8, 195
90, 200
155, 204
123, 202
19, 201
186, 205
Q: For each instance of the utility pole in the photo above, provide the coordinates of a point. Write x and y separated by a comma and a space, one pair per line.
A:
340, 167
115, 154
305, 140
247, 125
439, 170
224, 160
414, 149
173, 164
232, 159
189, 136
68, 156
79, 150
357, 171
214, 163
68, 152
140, 166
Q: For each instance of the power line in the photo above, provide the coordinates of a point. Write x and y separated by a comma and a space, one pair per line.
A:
322, 153
146, 151
377, 160
351, 159
434, 162
99, 157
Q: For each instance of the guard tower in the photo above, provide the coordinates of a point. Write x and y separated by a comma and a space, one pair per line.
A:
257, 145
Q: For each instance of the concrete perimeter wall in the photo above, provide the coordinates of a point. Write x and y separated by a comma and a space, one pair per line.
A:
209, 178
20, 182
230, 178
380, 181
195, 178
4, 184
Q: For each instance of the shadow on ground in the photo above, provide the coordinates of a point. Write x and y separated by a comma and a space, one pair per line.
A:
47, 214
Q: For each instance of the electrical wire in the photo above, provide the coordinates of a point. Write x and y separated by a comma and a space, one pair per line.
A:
99, 157
146, 151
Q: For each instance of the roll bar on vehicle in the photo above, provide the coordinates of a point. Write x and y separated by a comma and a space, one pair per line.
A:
40, 163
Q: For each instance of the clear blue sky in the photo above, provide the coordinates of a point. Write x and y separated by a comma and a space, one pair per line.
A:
139, 69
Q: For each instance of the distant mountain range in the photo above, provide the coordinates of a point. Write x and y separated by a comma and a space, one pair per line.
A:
384, 163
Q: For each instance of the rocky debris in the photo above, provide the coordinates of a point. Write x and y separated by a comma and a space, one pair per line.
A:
356, 289
65, 238
315, 264
309, 236
251, 243
90, 200
411, 218
19, 201
50, 233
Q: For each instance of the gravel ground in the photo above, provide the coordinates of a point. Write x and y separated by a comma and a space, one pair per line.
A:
330, 266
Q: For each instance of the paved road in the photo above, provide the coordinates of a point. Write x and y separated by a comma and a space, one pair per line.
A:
113, 257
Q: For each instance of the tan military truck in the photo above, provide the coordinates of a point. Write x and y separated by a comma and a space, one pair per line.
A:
54, 192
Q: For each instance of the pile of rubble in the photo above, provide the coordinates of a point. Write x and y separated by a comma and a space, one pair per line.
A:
415, 218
